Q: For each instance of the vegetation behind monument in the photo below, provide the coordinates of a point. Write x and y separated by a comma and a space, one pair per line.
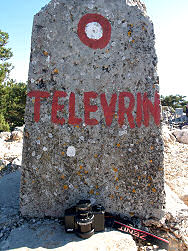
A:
174, 101
12, 94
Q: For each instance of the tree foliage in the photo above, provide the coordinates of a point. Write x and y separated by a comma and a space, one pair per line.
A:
174, 101
12, 105
5, 54
12, 95
4, 126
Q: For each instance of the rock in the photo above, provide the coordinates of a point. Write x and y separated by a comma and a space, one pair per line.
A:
17, 161
167, 135
10, 150
19, 129
185, 199
5, 136
179, 186
52, 235
104, 241
176, 216
181, 135
110, 163
176, 175
173, 202
3, 164
174, 222
184, 194
17, 135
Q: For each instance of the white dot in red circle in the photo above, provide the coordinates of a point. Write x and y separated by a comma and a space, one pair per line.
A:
94, 30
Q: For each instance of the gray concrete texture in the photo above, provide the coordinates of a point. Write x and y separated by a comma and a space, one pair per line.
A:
118, 162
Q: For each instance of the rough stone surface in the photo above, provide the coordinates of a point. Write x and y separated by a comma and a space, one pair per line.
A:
174, 223
181, 135
16, 135
10, 150
50, 235
167, 135
175, 162
119, 167
5, 135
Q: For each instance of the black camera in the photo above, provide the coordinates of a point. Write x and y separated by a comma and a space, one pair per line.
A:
84, 219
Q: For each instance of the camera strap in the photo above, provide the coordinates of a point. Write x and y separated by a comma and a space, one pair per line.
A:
140, 234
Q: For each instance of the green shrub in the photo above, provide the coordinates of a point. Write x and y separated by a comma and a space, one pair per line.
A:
12, 95
4, 126
12, 103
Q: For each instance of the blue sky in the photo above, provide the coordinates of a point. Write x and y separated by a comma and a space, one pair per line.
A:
170, 20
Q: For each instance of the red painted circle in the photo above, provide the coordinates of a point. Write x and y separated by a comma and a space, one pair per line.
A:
94, 43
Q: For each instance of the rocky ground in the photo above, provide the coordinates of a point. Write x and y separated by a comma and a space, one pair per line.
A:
21, 233
176, 162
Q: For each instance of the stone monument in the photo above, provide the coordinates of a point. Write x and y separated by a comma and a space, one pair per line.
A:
92, 121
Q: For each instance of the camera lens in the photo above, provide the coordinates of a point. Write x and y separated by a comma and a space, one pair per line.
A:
83, 205
85, 224
84, 219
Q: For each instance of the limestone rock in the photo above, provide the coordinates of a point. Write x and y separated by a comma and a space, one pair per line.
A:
51, 235
5, 135
174, 222
10, 150
185, 127
17, 135
98, 134
167, 135
19, 128
111, 241
17, 161
176, 173
181, 135
184, 193
3, 163
179, 215
174, 205
185, 199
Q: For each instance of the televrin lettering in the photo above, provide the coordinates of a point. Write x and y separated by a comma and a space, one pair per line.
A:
144, 108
